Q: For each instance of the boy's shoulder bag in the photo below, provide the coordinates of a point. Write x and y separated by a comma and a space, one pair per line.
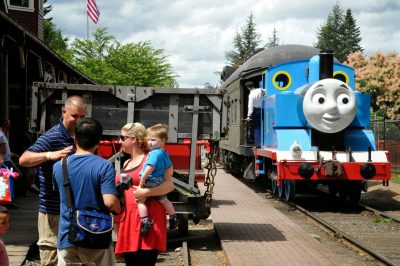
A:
90, 227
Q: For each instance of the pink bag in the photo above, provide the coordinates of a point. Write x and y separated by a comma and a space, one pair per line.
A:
6, 185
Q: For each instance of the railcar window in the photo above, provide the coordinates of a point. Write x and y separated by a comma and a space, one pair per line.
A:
26, 5
342, 76
282, 80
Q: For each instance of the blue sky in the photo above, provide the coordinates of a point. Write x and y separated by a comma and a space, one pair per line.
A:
196, 34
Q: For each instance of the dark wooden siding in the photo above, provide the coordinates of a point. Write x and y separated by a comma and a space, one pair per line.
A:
29, 20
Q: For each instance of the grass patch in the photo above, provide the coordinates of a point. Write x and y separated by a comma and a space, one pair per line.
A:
381, 220
396, 178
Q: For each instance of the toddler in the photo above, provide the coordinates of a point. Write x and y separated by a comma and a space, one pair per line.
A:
152, 175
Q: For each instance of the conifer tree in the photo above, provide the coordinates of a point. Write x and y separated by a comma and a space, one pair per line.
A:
52, 36
351, 33
339, 34
329, 35
245, 43
274, 41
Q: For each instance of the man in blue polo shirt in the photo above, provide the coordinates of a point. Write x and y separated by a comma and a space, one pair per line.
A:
92, 184
53, 145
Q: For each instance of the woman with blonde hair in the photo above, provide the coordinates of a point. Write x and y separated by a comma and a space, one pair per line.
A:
136, 248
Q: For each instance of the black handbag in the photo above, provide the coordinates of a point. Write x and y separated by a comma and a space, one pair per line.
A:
90, 227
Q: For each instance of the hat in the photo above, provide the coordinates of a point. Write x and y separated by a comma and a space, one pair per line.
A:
249, 84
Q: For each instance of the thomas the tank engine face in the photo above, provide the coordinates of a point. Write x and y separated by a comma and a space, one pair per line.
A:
329, 105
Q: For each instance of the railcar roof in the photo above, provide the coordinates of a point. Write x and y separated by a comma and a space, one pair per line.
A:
270, 57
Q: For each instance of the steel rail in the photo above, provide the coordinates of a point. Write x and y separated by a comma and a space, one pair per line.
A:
185, 253
338, 233
395, 218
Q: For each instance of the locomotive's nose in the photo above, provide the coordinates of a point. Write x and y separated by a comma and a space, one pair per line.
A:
329, 105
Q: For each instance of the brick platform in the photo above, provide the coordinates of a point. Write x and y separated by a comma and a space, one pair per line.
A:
253, 232
23, 229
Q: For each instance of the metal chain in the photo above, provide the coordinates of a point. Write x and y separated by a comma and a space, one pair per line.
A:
211, 167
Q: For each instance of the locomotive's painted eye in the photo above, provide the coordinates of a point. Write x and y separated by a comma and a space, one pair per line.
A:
343, 98
318, 98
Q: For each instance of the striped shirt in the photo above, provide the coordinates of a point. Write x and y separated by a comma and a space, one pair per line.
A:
55, 139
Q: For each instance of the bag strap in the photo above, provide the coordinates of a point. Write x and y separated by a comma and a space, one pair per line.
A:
4, 165
67, 185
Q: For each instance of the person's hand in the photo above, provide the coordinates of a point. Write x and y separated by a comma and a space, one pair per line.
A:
248, 119
139, 193
57, 155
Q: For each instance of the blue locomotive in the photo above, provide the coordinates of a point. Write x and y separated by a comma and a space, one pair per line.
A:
315, 126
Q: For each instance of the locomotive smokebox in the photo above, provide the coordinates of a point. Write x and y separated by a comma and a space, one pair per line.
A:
325, 64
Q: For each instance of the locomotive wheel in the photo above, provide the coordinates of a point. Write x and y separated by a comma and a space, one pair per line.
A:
332, 190
272, 176
343, 193
274, 187
281, 189
290, 190
355, 192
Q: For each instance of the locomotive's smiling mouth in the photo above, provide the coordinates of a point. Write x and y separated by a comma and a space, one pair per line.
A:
330, 119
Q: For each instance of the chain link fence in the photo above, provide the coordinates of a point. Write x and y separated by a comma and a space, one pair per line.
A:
387, 137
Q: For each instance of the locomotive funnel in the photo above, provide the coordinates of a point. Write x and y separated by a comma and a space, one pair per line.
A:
325, 64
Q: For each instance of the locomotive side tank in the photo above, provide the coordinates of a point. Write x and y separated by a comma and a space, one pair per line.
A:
315, 127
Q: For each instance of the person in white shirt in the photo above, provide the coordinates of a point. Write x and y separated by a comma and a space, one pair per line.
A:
254, 110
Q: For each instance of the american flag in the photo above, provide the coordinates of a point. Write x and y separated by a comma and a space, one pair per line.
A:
92, 10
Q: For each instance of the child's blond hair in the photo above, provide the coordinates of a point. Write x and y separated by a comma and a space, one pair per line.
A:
160, 130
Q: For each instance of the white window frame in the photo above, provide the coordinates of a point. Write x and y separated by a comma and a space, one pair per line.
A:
40, 6
5, 5
30, 8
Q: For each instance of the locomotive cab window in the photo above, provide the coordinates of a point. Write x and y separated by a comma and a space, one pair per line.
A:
282, 80
342, 76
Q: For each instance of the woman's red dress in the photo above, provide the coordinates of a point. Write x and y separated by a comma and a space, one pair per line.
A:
129, 238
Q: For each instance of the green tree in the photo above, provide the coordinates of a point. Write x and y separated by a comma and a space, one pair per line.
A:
351, 33
339, 34
47, 9
274, 41
244, 43
329, 35
52, 36
107, 61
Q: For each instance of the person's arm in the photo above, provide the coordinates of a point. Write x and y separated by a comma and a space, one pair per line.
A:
250, 106
143, 177
30, 159
163, 188
111, 201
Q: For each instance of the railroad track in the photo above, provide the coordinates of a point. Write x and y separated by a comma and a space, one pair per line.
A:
200, 247
384, 247
395, 218
364, 229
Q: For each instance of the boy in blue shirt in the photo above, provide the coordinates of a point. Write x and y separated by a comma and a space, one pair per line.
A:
152, 175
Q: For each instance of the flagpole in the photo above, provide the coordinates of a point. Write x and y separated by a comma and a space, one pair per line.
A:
87, 26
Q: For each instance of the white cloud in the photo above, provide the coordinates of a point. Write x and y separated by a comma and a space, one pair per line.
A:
196, 34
